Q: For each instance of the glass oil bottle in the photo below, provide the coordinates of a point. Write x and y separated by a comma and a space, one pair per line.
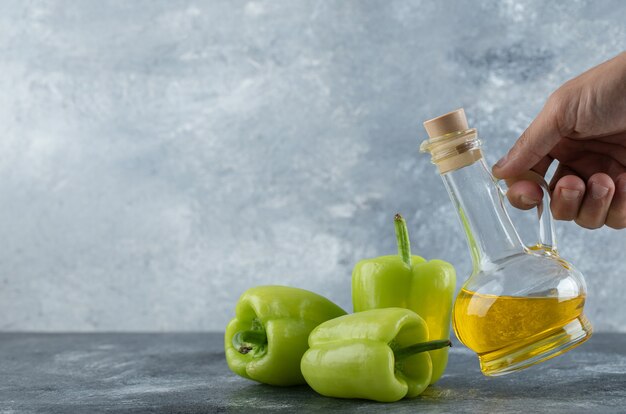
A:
521, 305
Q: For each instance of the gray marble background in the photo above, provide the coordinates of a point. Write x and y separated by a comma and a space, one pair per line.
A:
157, 158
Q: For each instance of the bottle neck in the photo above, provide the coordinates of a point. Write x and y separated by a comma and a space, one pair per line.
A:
478, 202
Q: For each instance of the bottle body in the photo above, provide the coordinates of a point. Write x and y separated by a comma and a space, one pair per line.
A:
511, 328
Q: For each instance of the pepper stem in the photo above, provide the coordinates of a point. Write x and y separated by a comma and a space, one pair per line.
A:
402, 237
422, 347
250, 341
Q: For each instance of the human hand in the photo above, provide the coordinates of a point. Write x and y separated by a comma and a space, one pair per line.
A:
583, 127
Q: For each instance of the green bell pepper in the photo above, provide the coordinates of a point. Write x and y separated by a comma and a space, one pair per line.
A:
266, 339
376, 354
406, 281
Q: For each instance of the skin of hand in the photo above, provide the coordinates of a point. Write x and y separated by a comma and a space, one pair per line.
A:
583, 127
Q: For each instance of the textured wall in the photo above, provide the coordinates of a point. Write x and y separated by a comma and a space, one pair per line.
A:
157, 158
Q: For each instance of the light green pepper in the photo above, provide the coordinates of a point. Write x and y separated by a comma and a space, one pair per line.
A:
268, 336
411, 282
376, 354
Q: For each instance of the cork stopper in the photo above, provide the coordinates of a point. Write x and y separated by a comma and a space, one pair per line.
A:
447, 123
451, 144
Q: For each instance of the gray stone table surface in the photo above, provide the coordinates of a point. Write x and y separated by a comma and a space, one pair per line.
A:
187, 373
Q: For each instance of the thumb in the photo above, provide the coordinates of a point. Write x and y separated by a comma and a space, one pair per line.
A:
534, 144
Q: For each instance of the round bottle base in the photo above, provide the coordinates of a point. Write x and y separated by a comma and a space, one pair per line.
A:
524, 354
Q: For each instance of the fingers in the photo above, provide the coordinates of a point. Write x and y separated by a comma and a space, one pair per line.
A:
616, 217
567, 197
592, 205
596, 202
524, 194
561, 171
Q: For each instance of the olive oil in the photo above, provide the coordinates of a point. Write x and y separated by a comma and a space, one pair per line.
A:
494, 326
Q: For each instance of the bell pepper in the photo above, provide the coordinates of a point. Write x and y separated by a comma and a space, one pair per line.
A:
268, 336
406, 281
377, 354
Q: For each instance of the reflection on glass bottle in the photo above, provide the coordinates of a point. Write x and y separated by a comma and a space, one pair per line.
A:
521, 305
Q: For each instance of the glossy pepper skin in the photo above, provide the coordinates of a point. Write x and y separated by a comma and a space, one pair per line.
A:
406, 281
268, 336
370, 355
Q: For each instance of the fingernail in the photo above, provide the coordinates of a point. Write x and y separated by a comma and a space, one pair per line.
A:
568, 194
598, 191
528, 201
502, 161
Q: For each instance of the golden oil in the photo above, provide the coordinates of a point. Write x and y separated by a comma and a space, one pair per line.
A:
497, 326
